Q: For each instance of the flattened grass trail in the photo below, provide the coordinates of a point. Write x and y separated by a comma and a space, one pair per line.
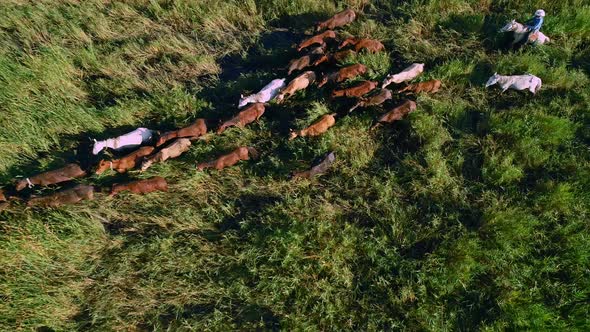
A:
470, 214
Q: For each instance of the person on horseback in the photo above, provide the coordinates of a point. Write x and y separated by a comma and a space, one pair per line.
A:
534, 25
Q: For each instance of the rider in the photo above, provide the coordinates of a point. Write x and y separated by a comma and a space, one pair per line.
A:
534, 24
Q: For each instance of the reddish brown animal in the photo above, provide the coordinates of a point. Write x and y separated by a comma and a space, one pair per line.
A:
341, 19
298, 83
230, 159
248, 115
125, 163
397, 113
371, 45
317, 39
2, 196
317, 128
64, 197
324, 58
339, 56
355, 91
66, 173
343, 74
141, 187
428, 86
304, 62
374, 100
343, 55
197, 129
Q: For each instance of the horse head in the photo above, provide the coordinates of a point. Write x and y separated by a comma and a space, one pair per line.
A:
493, 80
510, 26
243, 101
98, 146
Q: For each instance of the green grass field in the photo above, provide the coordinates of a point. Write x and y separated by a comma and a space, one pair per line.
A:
471, 214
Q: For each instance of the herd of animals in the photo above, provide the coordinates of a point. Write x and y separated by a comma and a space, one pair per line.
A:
154, 147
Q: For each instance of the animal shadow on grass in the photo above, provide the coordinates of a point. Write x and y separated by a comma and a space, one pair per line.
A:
300, 22
398, 139
242, 313
478, 307
248, 205
480, 74
265, 61
582, 59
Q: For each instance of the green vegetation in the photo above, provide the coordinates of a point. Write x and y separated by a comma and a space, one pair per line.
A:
471, 214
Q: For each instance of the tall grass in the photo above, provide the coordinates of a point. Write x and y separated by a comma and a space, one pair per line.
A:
470, 214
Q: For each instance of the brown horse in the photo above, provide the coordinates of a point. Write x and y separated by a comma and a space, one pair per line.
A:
141, 187
66, 173
317, 128
230, 159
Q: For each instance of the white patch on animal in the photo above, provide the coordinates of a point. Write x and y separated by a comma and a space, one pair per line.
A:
520, 32
516, 82
405, 75
133, 139
265, 95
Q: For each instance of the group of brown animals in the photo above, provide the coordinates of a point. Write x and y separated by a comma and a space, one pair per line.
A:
173, 143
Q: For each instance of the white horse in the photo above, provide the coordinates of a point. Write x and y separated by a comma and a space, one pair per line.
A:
265, 95
405, 75
516, 82
132, 139
521, 31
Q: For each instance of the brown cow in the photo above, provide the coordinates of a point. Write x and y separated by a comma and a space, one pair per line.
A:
305, 61
197, 129
249, 114
68, 196
141, 187
343, 55
66, 173
173, 150
343, 74
320, 168
371, 45
230, 159
317, 128
339, 56
374, 100
397, 113
125, 163
429, 86
298, 83
317, 39
341, 19
355, 91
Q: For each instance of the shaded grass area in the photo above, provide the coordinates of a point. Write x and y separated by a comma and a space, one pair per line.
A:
471, 214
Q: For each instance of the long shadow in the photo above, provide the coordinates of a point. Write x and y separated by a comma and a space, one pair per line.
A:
242, 314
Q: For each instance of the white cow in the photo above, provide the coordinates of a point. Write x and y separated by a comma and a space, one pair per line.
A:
129, 140
516, 82
521, 31
405, 75
265, 95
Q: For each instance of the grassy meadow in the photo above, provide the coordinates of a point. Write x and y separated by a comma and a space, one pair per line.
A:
470, 214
